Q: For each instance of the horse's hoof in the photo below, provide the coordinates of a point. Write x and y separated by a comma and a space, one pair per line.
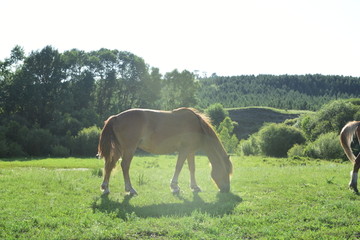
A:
175, 191
354, 188
105, 191
196, 189
132, 192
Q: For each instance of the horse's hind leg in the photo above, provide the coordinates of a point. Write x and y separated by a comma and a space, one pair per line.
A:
125, 165
354, 174
191, 162
109, 165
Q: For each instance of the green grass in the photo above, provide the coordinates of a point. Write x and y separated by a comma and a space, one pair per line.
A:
52, 163
270, 199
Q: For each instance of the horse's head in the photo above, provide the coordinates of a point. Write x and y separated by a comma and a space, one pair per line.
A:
221, 173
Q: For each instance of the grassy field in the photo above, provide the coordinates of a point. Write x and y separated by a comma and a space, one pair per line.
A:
270, 199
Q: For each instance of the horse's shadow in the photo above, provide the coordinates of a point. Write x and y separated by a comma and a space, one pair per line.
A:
225, 204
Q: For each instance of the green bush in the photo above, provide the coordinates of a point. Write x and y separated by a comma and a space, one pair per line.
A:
3, 144
296, 151
38, 142
249, 146
276, 139
327, 146
85, 142
217, 113
229, 141
10, 149
60, 151
227, 137
330, 118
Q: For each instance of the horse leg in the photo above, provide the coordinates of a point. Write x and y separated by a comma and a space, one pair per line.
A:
354, 174
125, 166
179, 164
109, 165
191, 162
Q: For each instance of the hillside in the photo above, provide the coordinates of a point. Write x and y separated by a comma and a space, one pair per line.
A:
251, 119
304, 92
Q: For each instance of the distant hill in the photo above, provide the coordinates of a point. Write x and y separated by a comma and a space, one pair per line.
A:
251, 119
304, 92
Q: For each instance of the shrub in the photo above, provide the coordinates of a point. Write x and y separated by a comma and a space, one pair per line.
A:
226, 135
15, 150
217, 113
330, 118
8, 147
86, 141
327, 146
229, 141
60, 151
38, 142
276, 139
3, 144
249, 146
296, 151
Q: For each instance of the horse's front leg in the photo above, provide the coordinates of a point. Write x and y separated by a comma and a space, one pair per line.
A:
179, 164
125, 166
191, 162
354, 175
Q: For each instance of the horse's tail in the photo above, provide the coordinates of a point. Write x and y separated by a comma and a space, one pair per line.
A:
346, 137
107, 141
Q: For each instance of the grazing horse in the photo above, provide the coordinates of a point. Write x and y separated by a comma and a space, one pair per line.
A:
182, 130
346, 137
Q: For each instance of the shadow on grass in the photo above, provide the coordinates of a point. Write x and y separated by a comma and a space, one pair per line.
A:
225, 204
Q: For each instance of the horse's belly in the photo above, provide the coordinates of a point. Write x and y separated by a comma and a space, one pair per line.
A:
170, 144
155, 147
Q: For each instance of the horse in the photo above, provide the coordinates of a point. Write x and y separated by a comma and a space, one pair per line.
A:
183, 130
346, 137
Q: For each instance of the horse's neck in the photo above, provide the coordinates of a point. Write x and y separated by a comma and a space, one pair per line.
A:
214, 149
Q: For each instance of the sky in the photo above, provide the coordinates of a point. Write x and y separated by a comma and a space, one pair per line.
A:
227, 37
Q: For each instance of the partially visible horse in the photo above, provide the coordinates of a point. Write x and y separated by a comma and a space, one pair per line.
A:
346, 137
182, 130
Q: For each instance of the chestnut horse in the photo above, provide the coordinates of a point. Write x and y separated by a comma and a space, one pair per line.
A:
346, 137
182, 130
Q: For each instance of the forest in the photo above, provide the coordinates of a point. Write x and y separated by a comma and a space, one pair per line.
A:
303, 92
54, 103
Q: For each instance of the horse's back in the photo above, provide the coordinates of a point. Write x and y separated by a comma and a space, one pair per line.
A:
159, 131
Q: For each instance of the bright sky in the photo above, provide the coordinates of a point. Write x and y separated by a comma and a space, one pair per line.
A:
227, 37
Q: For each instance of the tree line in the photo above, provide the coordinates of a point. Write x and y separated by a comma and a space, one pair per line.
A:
54, 103
56, 95
303, 92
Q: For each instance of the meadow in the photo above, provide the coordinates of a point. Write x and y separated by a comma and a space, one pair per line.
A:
271, 198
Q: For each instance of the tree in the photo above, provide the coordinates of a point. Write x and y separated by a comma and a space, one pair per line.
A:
80, 78
228, 138
37, 88
178, 90
151, 90
217, 113
8, 68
